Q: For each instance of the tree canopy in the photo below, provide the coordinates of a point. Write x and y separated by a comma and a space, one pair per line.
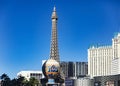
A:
20, 81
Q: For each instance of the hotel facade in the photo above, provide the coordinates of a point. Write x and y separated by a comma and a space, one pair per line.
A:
104, 60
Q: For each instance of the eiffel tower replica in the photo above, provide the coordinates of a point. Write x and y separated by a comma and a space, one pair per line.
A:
54, 58
54, 54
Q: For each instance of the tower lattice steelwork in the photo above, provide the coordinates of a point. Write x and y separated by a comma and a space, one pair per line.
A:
54, 54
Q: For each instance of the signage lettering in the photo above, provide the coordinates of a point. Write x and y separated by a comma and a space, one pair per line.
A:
52, 68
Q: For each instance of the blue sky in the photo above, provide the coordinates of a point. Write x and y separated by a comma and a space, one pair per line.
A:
25, 30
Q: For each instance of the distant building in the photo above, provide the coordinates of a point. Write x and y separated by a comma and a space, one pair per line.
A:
81, 69
28, 74
102, 60
74, 69
71, 69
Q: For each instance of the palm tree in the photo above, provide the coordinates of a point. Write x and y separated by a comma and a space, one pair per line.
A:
33, 82
14, 82
5, 80
20, 81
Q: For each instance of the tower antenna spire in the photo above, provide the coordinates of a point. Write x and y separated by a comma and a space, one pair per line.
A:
54, 9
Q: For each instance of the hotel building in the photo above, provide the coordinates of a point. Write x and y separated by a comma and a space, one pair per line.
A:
104, 60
